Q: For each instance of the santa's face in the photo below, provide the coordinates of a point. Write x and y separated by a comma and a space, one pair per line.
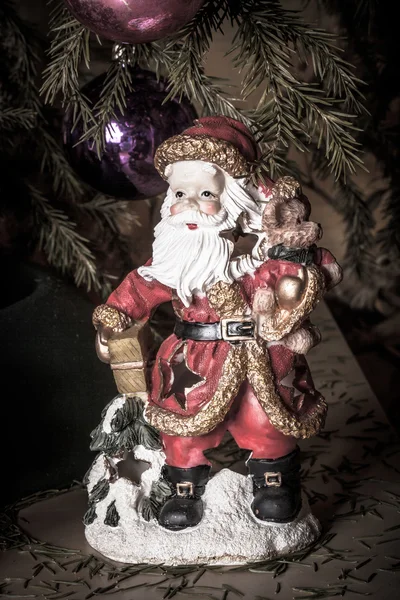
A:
195, 186
189, 255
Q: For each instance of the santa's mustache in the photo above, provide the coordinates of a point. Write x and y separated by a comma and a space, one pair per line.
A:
197, 218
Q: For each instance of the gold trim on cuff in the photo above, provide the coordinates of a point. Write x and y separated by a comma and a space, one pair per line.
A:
111, 317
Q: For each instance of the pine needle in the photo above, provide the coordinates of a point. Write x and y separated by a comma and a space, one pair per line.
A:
21, 47
105, 210
64, 248
68, 48
117, 82
17, 118
63, 177
186, 64
360, 224
290, 111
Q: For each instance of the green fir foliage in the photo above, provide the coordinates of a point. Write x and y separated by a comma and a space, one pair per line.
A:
112, 516
268, 38
29, 142
90, 515
325, 116
128, 430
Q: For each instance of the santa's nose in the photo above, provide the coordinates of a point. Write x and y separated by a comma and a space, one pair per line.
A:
187, 204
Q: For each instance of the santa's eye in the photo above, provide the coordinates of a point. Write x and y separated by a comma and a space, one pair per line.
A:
179, 195
207, 194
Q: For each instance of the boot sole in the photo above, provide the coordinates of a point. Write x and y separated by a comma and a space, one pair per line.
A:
287, 520
178, 528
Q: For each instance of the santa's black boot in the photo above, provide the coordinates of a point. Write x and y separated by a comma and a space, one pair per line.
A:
276, 487
185, 508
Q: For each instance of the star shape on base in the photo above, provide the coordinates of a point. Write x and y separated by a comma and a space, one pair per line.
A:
132, 468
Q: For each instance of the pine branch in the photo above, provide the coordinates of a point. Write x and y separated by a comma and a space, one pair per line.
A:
388, 238
356, 211
105, 209
279, 129
319, 45
363, 11
155, 54
359, 224
198, 33
333, 71
267, 62
189, 79
64, 248
185, 65
17, 118
21, 46
69, 46
304, 111
117, 83
63, 178
333, 127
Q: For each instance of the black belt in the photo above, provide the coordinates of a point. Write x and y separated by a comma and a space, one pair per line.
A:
226, 329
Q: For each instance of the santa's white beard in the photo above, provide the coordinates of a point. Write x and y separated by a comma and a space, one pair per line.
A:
190, 260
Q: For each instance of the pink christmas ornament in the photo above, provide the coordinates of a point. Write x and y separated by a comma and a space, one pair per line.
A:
126, 169
134, 21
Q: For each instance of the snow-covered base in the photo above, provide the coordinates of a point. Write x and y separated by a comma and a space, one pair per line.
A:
228, 533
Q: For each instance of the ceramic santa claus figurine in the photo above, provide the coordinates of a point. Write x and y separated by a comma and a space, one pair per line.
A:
235, 361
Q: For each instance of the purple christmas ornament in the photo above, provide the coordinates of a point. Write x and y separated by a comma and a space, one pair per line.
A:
126, 168
134, 21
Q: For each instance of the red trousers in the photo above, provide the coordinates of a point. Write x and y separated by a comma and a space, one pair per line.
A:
247, 423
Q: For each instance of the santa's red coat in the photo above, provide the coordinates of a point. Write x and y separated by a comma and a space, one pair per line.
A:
222, 367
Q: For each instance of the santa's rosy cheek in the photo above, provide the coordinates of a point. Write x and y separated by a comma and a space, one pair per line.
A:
206, 207
210, 208
177, 208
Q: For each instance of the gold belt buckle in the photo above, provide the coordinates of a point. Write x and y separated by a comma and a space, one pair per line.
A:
185, 488
275, 476
236, 338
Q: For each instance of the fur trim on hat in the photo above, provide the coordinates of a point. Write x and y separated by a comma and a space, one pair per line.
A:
201, 147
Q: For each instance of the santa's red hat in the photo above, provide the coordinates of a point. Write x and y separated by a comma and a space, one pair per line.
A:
219, 140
